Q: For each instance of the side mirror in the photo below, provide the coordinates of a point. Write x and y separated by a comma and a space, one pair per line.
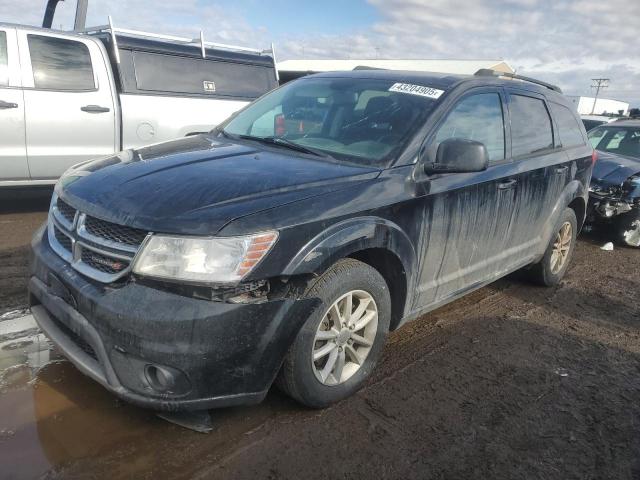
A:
458, 155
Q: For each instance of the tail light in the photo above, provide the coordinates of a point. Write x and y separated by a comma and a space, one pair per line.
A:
594, 157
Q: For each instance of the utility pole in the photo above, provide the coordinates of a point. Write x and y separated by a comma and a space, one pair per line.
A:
598, 83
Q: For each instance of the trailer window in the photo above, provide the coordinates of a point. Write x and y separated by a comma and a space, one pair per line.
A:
60, 64
197, 76
4, 60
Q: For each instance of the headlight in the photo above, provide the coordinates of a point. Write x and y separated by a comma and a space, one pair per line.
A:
207, 260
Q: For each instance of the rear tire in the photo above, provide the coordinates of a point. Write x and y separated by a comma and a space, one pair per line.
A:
334, 353
553, 265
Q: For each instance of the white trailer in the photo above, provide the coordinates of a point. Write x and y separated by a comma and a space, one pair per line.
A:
601, 106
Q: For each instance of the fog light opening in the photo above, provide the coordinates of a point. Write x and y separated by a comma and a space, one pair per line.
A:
160, 379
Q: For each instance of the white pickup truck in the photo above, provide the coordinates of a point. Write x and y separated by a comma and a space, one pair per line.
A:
70, 96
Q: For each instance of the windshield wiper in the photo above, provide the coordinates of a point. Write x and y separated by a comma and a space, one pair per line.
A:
282, 142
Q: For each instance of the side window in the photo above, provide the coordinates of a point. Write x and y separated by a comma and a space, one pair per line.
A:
568, 126
60, 64
167, 73
4, 60
531, 129
478, 117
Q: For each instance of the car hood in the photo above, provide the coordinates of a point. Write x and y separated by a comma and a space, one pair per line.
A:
198, 184
613, 170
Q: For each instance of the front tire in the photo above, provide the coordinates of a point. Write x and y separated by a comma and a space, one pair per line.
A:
553, 266
339, 344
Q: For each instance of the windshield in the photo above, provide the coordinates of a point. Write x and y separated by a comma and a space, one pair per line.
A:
353, 119
620, 140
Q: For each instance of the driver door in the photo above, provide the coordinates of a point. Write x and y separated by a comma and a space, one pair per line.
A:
468, 216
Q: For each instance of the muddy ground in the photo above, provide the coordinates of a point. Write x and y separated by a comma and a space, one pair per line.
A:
513, 381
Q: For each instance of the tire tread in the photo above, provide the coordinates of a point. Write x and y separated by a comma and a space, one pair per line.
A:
286, 378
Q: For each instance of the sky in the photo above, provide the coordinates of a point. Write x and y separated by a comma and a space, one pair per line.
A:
567, 42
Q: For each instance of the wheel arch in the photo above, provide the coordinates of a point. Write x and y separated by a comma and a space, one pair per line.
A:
377, 242
573, 196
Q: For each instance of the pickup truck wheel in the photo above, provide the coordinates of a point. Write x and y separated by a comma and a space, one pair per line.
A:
550, 270
627, 227
341, 341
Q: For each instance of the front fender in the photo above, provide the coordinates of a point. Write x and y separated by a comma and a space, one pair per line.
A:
345, 238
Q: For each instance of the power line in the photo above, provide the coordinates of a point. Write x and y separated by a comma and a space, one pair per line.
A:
598, 83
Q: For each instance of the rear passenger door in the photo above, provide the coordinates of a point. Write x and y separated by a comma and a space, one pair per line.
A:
69, 103
13, 153
542, 165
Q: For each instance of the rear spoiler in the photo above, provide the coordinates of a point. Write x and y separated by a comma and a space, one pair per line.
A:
486, 72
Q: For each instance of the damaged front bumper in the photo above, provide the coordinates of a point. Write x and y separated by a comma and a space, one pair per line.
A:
605, 206
159, 349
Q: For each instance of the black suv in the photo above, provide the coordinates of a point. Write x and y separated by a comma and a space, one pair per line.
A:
285, 244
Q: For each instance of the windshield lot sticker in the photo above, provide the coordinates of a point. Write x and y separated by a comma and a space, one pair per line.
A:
416, 90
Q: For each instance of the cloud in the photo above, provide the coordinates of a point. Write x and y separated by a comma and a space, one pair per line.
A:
567, 42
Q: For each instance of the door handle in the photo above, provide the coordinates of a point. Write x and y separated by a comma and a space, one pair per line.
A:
507, 185
560, 170
94, 109
4, 105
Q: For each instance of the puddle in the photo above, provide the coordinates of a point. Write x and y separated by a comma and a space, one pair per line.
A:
55, 421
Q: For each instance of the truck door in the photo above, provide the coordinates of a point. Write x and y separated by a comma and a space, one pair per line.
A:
13, 153
69, 102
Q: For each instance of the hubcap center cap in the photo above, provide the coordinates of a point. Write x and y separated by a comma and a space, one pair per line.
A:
343, 336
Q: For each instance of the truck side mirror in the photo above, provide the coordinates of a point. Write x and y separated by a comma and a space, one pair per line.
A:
458, 155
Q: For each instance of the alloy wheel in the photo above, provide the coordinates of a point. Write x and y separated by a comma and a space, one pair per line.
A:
344, 337
561, 248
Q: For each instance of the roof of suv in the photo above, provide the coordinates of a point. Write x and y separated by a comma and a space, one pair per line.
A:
437, 80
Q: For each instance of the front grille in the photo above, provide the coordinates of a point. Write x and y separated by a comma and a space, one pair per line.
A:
114, 232
63, 239
101, 250
103, 263
66, 210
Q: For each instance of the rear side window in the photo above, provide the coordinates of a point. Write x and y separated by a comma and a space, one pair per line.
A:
531, 129
478, 117
185, 75
4, 60
60, 64
568, 127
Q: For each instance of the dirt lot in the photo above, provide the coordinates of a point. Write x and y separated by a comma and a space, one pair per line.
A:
513, 381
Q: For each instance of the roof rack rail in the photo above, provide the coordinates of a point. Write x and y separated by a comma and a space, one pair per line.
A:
487, 72
196, 42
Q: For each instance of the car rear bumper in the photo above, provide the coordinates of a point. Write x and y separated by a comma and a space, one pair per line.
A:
216, 354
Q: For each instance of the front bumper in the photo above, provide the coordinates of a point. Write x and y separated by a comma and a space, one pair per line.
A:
223, 354
603, 207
